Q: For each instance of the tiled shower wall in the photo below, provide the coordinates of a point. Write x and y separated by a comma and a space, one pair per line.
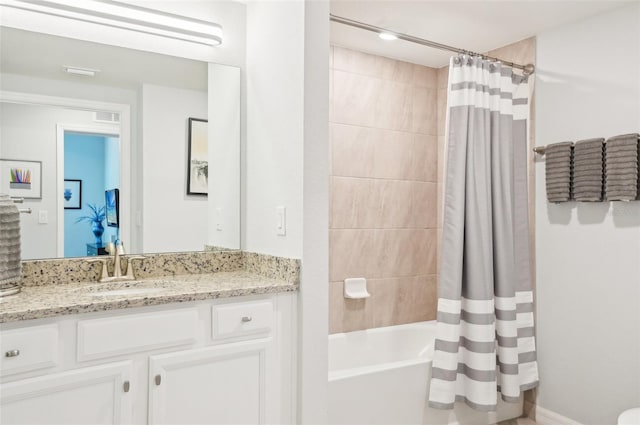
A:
384, 173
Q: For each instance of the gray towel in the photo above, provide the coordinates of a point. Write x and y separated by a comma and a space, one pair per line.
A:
10, 266
558, 163
588, 170
622, 156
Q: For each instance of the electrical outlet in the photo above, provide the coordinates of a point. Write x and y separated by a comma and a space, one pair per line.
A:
281, 221
219, 219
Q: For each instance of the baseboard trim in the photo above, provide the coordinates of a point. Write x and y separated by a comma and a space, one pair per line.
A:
547, 417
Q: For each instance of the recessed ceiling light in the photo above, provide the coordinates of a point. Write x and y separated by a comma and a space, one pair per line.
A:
387, 36
81, 71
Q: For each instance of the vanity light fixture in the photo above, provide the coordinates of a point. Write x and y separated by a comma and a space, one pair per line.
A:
81, 71
116, 14
387, 36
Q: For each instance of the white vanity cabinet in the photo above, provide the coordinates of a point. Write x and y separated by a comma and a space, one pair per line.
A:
227, 361
214, 385
92, 395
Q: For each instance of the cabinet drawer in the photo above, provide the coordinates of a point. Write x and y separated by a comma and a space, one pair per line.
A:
100, 338
27, 349
242, 318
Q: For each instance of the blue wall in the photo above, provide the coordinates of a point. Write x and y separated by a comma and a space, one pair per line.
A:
85, 159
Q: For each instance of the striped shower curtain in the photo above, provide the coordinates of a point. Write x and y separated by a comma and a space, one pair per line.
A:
485, 331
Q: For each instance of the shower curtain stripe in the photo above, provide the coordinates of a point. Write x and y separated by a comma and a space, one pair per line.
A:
484, 335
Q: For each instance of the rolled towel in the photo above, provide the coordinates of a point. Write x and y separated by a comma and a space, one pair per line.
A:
558, 159
10, 265
588, 170
622, 158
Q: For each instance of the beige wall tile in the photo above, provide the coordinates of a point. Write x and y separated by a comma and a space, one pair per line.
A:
371, 152
393, 106
438, 250
393, 301
335, 307
425, 298
424, 113
443, 77
423, 205
392, 154
399, 71
442, 111
370, 203
424, 161
353, 61
380, 253
424, 252
439, 204
373, 66
386, 305
521, 52
347, 315
352, 150
426, 77
350, 252
354, 99
441, 159
383, 191
371, 102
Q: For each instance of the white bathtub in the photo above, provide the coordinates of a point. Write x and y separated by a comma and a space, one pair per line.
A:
381, 376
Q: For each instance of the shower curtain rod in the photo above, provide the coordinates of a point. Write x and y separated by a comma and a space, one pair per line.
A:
527, 69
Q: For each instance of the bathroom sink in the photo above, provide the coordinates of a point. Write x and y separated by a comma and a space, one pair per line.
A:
123, 289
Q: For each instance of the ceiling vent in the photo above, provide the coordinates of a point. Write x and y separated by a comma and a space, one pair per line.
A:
107, 117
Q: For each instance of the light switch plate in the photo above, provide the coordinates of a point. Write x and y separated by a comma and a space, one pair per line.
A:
43, 217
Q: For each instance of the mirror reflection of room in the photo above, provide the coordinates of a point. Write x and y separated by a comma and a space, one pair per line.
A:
152, 172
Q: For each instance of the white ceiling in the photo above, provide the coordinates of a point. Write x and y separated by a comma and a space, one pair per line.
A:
40, 55
478, 26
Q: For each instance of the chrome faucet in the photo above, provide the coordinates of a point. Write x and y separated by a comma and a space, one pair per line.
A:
116, 250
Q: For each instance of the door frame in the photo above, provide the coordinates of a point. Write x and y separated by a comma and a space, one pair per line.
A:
61, 129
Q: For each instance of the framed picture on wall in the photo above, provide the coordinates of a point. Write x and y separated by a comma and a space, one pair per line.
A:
72, 194
21, 178
197, 158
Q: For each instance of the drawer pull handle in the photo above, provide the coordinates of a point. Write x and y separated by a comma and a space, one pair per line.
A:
12, 353
158, 379
126, 386
246, 319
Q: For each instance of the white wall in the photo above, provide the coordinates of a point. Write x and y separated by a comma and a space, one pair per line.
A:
275, 95
286, 154
29, 132
171, 221
588, 255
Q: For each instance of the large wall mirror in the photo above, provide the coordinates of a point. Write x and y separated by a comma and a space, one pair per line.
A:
164, 131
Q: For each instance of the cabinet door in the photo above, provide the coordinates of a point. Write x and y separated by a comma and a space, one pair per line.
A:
215, 385
93, 395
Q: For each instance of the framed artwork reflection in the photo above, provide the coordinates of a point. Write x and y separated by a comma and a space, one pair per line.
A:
21, 178
72, 194
197, 158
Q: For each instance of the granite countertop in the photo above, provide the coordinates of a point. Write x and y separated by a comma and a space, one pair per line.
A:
37, 302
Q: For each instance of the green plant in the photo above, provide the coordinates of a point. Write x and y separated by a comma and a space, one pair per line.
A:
97, 215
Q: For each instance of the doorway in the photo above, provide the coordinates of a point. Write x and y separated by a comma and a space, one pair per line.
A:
91, 166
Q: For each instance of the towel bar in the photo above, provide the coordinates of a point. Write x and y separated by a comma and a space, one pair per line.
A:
25, 210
